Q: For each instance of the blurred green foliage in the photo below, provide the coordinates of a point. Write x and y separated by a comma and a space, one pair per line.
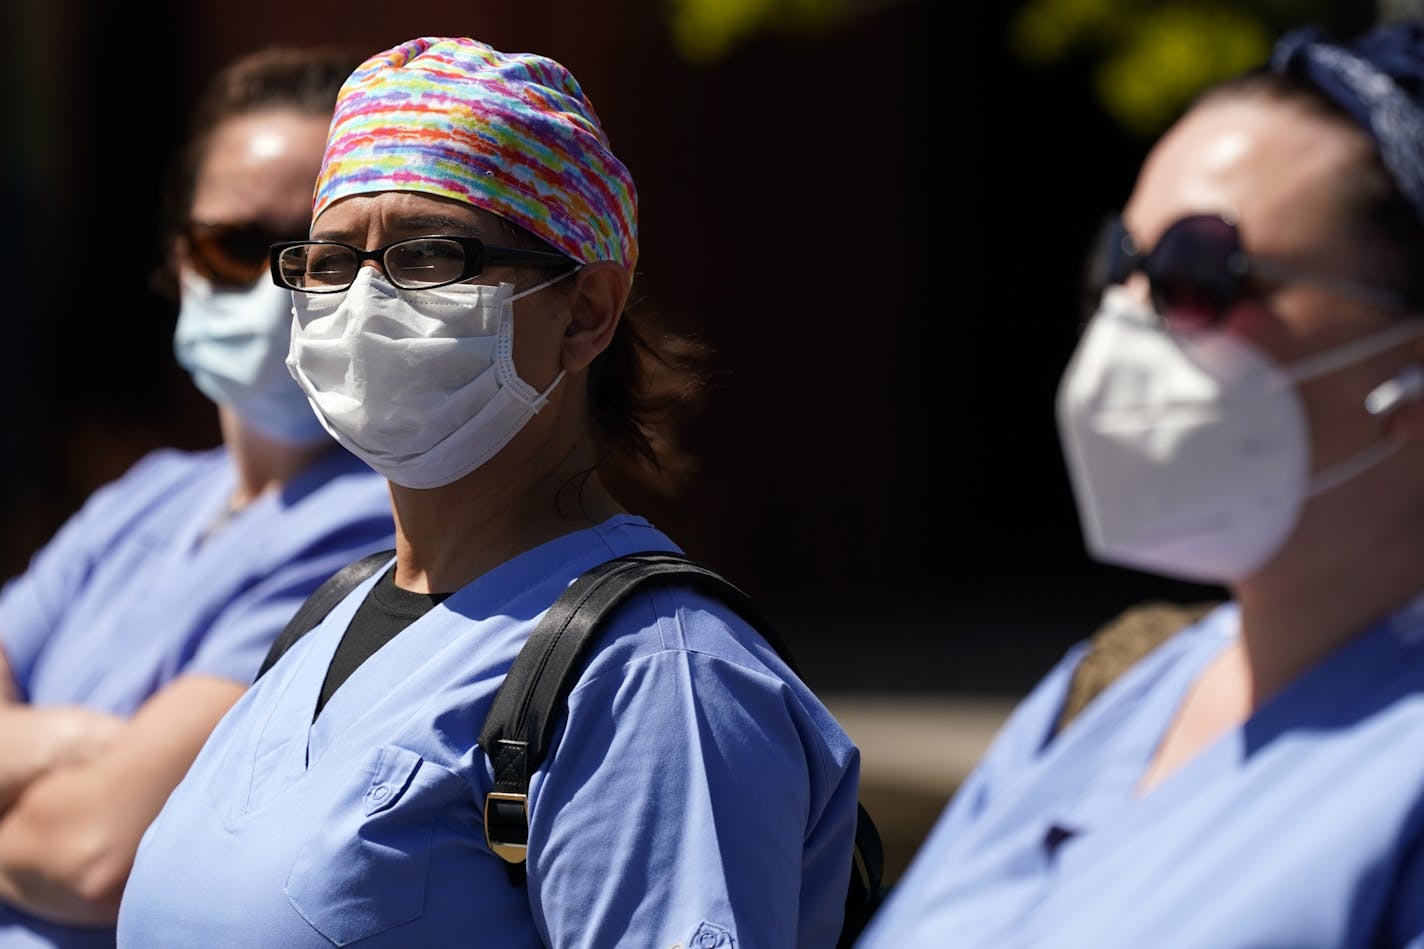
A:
704, 30
1149, 57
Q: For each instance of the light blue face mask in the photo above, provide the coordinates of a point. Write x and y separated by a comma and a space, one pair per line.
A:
234, 344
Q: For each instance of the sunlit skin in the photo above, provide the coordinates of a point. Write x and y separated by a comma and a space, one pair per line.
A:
542, 484
1272, 169
260, 169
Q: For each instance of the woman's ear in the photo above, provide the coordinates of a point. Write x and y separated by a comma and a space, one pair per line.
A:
600, 292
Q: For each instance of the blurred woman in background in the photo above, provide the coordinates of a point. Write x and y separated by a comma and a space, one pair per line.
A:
1245, 408
146, 616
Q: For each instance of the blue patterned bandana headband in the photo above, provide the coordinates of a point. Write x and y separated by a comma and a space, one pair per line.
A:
1378, 79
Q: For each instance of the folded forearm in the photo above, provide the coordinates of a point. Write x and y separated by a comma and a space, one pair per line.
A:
60, 857
68, 842
34, 740
58, 901
28, 748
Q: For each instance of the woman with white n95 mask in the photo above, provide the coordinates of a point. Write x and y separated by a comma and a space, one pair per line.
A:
460, 324
1243, 410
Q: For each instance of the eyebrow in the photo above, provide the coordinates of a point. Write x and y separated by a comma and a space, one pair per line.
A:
437, 221
421, 225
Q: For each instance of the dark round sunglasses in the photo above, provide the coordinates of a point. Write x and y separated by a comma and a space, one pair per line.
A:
1198, 271
231, 256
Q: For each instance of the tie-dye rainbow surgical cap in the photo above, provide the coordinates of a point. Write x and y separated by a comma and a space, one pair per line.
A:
512, 133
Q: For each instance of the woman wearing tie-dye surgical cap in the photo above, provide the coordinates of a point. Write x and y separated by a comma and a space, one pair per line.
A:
460, 325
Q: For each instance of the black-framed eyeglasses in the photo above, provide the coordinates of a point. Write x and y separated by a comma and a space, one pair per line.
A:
1199, 270
230, 255
416, 263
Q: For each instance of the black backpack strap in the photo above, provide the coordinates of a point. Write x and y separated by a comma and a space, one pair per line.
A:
521, 719
315, 607
866, 889
520, 724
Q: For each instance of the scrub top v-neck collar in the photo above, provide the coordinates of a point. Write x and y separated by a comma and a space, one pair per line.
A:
1113, 809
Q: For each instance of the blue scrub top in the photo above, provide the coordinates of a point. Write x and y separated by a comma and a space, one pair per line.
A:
699, 793
125, 597
1302, 828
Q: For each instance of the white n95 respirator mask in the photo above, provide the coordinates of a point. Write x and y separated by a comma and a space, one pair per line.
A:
1190, 455
420, 384
234, 345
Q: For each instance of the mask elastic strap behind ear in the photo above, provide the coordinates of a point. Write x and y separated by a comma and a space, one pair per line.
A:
1347, 468
547, 283
543, 398
1357, 350
1338, 358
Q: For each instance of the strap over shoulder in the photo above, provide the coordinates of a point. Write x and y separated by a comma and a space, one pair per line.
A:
520, 724
315, 607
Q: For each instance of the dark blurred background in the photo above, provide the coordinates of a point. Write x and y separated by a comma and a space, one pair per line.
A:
875, 209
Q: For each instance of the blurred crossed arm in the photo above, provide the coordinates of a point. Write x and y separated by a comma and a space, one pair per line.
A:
79, 787
35, 740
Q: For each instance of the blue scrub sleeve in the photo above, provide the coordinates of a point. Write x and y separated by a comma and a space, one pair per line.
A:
638, 841
32, 604
241, 634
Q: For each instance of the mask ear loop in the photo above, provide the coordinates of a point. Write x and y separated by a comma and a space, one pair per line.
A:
547, 283
542, 399
1347, 468
1408, 383
1352, 352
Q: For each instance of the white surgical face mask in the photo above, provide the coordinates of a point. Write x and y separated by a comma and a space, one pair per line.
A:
234, 345
419, 383
1190, 456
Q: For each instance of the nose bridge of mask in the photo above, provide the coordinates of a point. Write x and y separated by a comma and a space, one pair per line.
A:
263, 308
372, 304
1119, 303
368, 283
1127, 361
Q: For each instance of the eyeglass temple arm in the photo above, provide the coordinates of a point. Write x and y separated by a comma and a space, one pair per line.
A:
503, 255
1382, 296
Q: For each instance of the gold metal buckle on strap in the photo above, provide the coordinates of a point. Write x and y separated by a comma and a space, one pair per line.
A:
507, 851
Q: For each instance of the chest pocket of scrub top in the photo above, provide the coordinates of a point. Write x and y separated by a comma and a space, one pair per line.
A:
364, 869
